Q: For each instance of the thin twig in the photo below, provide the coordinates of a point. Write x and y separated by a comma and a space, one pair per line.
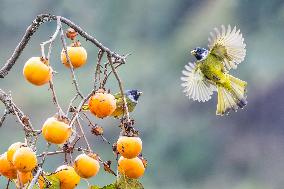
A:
50, 153
8, 183
83, 133
50, 41
70, 104
79, 108
2, 119
35, 179
22, 118
44, 155
125, 108
69, 62
54, 97
98, 69
93, 125
108, 74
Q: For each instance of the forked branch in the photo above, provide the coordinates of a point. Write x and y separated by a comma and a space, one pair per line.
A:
40, 19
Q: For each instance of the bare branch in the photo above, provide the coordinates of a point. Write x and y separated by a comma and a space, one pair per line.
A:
54, 97
40, 19
71, 103
108, 74
125, 108
79, 108
98, 68
2, 119
50, 41
83, 133
35, 179
50, 153
93, 126
11, 107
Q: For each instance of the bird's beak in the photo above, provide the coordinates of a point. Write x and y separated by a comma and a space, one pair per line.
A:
140, 93
193, 52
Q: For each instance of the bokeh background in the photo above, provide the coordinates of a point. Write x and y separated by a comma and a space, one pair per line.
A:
187, 146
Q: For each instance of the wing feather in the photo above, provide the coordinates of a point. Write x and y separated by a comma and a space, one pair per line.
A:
228, 44
196, 86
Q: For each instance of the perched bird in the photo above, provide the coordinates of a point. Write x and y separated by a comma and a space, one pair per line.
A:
132, 97
210, 71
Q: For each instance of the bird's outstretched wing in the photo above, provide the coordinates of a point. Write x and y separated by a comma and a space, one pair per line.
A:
228, 45
197, 87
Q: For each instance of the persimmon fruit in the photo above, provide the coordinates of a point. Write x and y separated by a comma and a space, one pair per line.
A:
129, 147
24, 159
132, 168
37, 71
67, 176
55, 131
86, 166
24, 178
12, 149
6, 167
102, 104
77, 55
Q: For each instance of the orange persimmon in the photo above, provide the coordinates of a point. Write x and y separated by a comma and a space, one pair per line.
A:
132, 168
37, 71
102, 104
129, 147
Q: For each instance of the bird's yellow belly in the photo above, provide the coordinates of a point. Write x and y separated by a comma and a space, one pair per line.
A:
214, 74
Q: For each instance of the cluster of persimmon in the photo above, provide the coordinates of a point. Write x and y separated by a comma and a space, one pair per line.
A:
38, 71
19, 162
129, 163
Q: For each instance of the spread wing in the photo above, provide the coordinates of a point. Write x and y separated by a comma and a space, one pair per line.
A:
196, 86
228, 45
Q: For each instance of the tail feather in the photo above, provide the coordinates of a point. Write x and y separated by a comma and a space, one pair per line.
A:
231, 99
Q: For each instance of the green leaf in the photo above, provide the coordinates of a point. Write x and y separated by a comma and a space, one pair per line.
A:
110, 186
54, 181
122, 182
51, 182
94, 187
125, 182
36, 186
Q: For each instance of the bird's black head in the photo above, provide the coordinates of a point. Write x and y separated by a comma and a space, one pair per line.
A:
133, 95
199, 53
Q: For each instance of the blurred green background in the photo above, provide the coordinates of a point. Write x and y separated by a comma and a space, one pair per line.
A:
187, 146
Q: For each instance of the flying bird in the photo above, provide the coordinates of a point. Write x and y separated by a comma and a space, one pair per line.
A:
210, 71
